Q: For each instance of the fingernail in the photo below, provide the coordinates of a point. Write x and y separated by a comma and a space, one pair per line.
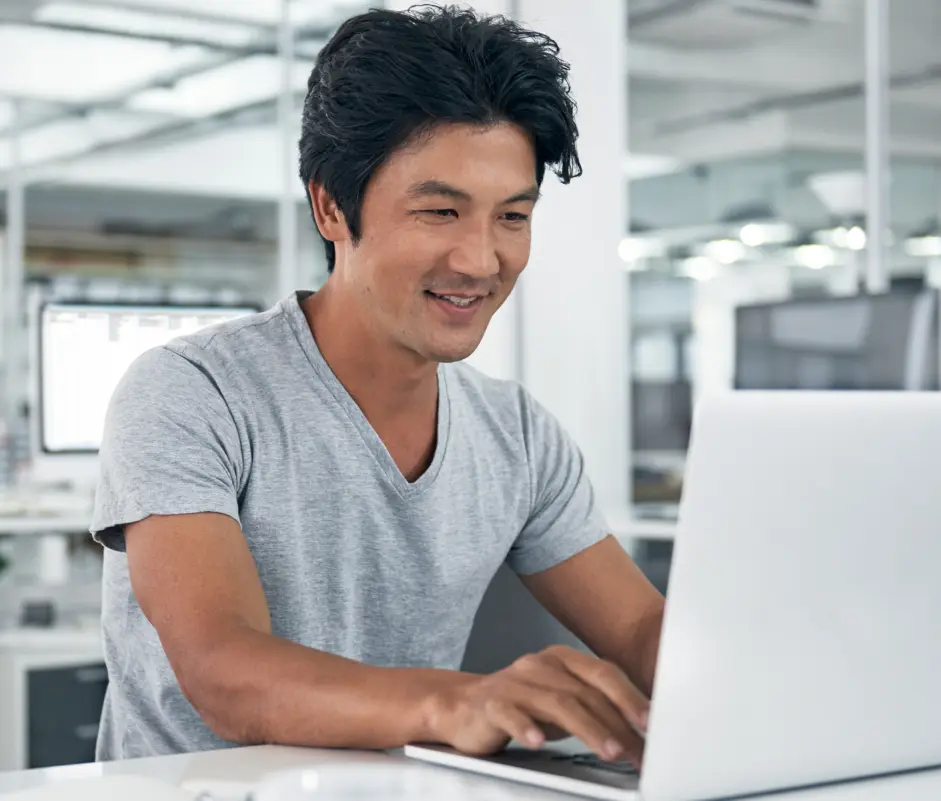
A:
612, 749
534, 738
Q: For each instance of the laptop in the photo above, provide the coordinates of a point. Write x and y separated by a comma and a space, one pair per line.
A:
801, 641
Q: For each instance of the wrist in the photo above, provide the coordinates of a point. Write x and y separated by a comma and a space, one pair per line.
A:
436, 705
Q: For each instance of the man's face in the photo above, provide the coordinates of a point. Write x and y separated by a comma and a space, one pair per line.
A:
445, 234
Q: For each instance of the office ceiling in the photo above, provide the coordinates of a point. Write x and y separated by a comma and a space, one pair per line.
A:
713, 78
83, 77
155, 95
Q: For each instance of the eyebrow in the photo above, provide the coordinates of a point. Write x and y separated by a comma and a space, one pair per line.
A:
434, 188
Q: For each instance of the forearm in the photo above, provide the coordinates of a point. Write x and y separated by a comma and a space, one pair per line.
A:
252, 687
639, 658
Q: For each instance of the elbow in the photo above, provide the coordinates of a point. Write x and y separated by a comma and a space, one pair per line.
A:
225, 701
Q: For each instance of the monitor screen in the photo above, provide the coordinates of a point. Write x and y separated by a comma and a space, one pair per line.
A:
662, 415
875, 342
85, 350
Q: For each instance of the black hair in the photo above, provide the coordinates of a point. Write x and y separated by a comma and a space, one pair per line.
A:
387, 77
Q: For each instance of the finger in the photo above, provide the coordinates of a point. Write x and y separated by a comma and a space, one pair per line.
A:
515, 723
630, 740
610, 680
566, 711
553, 676
547, 671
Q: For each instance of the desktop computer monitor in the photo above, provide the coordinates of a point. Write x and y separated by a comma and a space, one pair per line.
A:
868, 342
661, 415
83, 350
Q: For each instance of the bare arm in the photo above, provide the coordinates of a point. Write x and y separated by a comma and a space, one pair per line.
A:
196, 582
605, 600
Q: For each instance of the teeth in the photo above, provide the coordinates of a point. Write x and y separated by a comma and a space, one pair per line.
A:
457, 301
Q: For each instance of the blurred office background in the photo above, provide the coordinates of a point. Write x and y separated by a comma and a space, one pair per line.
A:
761, 209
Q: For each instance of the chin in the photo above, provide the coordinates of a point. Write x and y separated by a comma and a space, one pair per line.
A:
448, 354
449, 357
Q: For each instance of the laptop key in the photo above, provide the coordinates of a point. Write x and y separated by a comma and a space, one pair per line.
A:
595, 762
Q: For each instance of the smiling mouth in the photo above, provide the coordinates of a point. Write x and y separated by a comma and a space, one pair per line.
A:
457, 301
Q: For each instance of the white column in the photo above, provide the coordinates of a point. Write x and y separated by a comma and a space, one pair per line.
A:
574, 315
289, 131
877, 143
12, 272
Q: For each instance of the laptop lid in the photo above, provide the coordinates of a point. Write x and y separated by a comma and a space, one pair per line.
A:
801, 641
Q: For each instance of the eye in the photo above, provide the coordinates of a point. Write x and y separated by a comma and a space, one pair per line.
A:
515, 216
440, 212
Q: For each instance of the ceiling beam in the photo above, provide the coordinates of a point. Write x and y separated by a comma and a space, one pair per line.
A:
789, 102
182, 12
264, 44
161, 38
313, 37
765, 67
167, 134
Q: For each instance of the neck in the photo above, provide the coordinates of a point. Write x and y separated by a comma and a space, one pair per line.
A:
384, 379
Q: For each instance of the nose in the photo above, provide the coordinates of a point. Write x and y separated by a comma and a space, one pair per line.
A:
475, 253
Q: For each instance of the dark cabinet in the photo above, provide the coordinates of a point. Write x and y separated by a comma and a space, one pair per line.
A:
64, 712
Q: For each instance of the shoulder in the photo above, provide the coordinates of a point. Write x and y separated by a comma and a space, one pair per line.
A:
246, 336
226, 354
202, 364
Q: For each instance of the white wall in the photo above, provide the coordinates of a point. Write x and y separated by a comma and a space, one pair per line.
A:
574, 294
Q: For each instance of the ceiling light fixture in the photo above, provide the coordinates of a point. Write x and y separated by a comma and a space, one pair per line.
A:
814, 257
724, 251
923, 246
699, 268
633, 249
756, 234
856, 238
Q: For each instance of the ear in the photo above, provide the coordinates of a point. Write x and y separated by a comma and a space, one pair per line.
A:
327, 215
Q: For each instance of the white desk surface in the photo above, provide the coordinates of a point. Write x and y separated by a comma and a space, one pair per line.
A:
248, 765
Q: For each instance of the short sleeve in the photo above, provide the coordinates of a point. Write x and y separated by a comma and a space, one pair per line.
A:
170, 446
564, 519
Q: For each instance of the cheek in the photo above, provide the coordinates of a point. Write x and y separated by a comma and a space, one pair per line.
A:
407, 250
393, 260
514, 256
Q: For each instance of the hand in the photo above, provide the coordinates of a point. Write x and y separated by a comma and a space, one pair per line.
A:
557, 692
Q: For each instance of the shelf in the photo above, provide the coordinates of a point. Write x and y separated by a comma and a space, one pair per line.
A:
644, 529
55, 638
664, 530
43, 524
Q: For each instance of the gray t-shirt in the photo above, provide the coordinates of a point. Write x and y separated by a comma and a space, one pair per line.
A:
247, 419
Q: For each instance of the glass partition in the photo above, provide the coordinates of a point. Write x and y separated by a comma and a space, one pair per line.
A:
745, 177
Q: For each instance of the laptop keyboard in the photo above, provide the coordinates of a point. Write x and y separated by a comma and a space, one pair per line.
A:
593, 761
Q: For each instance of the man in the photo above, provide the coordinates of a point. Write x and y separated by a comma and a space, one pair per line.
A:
313, 500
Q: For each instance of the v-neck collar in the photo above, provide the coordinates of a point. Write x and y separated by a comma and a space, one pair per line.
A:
298, 321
